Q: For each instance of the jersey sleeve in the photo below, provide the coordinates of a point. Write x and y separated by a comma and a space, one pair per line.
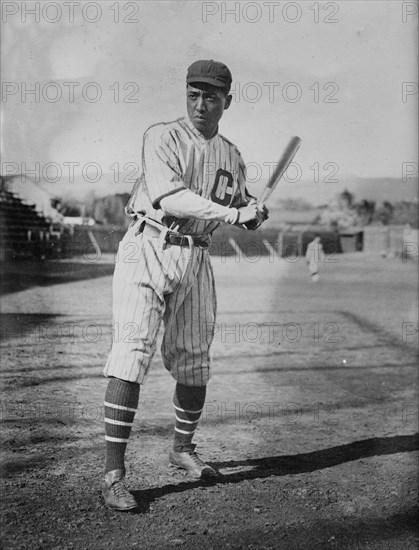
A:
162, 169
185, 203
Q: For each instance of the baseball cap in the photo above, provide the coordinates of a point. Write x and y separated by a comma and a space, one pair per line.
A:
211, 72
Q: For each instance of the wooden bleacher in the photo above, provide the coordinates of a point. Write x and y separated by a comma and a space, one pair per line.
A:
24, 230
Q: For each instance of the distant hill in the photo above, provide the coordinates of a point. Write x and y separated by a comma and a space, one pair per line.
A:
80, 188
377, 189
385, 189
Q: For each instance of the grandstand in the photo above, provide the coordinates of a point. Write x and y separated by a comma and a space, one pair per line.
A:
29, 225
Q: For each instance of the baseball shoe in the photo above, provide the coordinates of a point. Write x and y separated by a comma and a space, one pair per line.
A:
190, 461
115, 493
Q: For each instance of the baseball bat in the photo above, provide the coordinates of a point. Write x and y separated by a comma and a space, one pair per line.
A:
283, 163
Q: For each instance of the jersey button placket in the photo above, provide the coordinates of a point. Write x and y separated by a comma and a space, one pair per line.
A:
208, 168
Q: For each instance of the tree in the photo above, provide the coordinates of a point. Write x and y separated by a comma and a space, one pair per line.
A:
339, 218
346, 199
365, 211
71, 207
341, 214
384, 214
406, 212
89, 203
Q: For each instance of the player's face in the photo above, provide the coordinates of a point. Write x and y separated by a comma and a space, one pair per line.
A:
206, 105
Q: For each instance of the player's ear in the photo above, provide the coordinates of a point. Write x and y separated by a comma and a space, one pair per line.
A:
229, 97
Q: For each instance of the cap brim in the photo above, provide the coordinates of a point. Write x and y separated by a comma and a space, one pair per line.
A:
207, 80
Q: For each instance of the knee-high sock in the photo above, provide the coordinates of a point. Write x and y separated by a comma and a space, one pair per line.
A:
188, 402
121, 402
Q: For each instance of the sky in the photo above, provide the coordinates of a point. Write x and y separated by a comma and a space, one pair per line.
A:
341, 75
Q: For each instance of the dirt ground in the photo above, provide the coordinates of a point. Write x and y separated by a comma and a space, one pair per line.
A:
311, 415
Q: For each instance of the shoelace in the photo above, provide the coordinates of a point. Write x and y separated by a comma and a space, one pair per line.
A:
120, 490
198, 461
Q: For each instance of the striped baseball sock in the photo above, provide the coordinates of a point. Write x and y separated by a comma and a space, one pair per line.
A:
121, 402
189, 403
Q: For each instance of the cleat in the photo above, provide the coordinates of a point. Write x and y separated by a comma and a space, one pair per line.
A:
115, 493
190, 461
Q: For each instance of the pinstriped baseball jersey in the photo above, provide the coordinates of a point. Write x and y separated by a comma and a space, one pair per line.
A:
176, 156
157, 282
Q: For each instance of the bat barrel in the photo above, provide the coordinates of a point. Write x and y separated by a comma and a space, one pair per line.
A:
283, 163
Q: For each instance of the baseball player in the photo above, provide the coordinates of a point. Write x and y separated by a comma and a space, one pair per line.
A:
314, 255
192, 180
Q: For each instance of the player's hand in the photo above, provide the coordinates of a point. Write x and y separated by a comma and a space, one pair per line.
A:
262, 215
247, 213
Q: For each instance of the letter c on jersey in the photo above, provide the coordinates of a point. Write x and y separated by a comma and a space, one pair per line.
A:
222, 190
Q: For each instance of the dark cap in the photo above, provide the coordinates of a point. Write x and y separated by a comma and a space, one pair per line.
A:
210, 72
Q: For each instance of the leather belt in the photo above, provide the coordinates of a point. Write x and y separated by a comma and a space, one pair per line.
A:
171, 237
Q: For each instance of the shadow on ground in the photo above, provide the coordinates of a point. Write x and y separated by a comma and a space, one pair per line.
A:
291, 464
16, 276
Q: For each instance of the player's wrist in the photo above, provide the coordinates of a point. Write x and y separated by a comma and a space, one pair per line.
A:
232, 216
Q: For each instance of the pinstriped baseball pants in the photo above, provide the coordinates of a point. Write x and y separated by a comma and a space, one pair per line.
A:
154, 283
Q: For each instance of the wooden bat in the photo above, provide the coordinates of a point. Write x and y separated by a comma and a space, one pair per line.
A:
283, 163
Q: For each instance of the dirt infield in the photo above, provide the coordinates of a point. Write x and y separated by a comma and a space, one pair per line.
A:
311, 415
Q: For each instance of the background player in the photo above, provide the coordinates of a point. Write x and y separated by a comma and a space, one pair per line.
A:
314, 255
192, 180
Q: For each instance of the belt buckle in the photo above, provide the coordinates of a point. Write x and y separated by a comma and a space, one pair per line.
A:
178, 239
167, 236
